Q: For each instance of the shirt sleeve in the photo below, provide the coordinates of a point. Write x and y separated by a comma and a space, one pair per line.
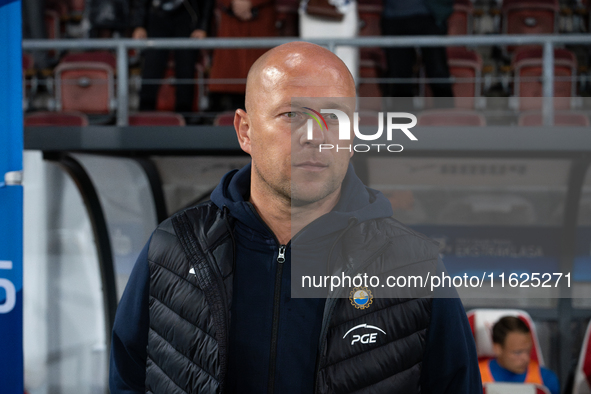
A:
550, 380
450, 363
127, 366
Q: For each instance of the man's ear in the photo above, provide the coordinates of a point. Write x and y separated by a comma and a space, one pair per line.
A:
242, 127
497, 349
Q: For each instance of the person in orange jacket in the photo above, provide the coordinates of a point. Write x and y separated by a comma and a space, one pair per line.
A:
512, 345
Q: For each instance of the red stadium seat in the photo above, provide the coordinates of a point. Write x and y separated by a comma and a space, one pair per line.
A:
514, 388
565, 118
460, 21
481, 323
465, 64
69, 118
156, 119
530, 16
97, 57
450, 117
224, 119
85, 82
527, 67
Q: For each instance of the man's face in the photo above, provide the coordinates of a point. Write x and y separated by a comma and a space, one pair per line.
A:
288, 163
514, 354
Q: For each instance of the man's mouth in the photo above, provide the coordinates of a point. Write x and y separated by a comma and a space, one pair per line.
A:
314, 166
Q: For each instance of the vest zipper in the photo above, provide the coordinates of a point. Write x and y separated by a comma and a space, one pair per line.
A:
275, 329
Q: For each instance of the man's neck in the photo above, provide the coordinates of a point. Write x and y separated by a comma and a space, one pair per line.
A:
285, 220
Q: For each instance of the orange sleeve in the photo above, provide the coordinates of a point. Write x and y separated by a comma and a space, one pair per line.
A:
534, 375
485, 373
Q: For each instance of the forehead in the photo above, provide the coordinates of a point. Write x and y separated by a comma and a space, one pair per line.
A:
311, 86
307, 78
517, 339
310, 91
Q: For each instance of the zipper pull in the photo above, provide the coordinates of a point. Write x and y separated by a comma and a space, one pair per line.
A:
281, 257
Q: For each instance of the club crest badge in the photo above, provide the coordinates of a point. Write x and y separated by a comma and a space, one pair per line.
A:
361, 297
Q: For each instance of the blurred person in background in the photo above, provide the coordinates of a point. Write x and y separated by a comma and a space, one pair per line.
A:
512, 345
169, 19
416, 18
238, 18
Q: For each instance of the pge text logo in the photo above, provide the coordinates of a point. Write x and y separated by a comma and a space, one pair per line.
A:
345, 130
366, 338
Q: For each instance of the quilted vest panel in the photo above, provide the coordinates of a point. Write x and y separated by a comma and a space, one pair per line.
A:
187, 337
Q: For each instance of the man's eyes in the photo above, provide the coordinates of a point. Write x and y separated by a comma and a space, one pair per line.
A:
292, 115
297, 115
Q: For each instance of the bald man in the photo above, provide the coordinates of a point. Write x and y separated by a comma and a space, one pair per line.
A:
208, 306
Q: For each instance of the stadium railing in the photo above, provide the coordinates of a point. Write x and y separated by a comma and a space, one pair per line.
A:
121, 46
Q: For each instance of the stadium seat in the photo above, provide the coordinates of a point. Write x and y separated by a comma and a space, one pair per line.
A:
582, 382
450, 117
481, 323
527, 67
68, 118
460, 21
514, 388
156, 119
530, 16
466, 65
561, 118
85, 82
224, 119
96, 57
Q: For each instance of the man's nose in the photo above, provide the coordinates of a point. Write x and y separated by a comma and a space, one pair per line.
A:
313, 134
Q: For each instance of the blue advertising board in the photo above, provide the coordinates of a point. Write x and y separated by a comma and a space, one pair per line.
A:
11, 200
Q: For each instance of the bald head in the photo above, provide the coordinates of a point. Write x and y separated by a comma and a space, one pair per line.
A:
294, 64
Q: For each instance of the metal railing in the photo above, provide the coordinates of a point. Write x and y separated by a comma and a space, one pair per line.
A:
122, 45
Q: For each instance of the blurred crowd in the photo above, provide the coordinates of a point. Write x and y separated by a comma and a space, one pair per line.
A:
202, 84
